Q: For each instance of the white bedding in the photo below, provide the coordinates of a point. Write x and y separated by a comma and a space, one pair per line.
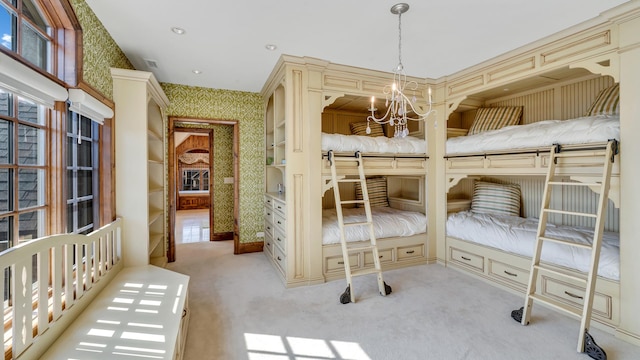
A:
387, 222
517, 235
368, 144
582, 130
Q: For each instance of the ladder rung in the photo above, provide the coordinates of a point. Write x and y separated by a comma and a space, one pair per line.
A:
353, 202
587, 153
368, 271
570, 213
344, 158
567, 242
350, 180
366, 247
564, 183
562, 273
557, 305
363, 223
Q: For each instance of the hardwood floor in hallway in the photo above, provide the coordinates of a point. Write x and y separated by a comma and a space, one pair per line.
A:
192, 226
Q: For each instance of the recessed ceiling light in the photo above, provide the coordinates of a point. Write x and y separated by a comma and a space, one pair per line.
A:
178, 30
270, 47
197, 72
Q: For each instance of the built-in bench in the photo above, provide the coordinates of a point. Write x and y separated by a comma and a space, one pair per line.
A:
68, 296
142, 313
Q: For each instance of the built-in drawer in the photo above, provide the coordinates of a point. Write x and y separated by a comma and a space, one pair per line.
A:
268, 201
268, 244
280, 259
279, 222
336, 263
410, 252
509, 273
280, 239
268, 213
268, 228
464, 258
385, 255
280, 207
573, 295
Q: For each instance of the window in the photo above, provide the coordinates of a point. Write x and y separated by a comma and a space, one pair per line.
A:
26, 31
195, 180
82, 179
22, 170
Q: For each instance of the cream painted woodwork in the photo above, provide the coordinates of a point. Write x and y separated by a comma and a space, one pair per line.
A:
140, 166
605, 47
511, 272
152, 307
295, 95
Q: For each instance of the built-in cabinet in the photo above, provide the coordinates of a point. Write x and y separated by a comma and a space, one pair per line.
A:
140, 166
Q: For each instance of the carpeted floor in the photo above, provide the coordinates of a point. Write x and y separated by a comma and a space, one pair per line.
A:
241, 310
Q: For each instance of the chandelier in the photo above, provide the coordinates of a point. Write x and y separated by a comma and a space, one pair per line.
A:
400, 108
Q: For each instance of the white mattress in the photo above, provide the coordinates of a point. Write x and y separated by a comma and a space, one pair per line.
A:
368, 144
517, 235
582, 130
387, 222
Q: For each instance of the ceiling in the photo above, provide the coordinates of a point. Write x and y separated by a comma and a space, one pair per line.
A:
226, 40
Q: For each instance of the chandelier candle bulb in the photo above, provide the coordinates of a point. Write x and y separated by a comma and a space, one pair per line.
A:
400, 107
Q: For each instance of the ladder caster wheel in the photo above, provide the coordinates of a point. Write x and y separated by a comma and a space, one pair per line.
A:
517, 315
592, 349
345, 298
387, 289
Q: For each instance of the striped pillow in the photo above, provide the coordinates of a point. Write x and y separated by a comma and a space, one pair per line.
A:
377, 189
494, 118
607, 102
493, 198
360, 128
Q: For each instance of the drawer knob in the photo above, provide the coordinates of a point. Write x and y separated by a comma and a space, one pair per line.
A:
268, 227
411, 251
279, 259
184, 312
341, 262
278, 239
510, 274
279, 222
465, 258
574, 295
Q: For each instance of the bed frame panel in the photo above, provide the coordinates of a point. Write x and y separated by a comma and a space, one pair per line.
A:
395, 252
511, 272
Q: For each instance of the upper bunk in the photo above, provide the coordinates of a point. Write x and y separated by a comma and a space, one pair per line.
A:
346, 130
505, 115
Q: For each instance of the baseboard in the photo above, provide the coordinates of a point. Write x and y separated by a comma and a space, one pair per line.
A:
222, 236
628, 336
244, 248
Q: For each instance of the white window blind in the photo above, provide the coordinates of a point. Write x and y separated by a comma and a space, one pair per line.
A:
19, 79
88, 106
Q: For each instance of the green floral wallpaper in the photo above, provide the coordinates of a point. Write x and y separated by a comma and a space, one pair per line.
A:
100, 52
222, 168
247, 109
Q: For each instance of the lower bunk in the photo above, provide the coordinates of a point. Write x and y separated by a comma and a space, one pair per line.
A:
401, 237
399, 222
498, 249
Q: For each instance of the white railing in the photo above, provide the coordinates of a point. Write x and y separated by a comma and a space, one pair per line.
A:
49, 277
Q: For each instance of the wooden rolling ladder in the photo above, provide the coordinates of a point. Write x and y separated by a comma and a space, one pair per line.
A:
586, 343
349, 248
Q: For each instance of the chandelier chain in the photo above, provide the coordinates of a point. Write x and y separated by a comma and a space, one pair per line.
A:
400, 107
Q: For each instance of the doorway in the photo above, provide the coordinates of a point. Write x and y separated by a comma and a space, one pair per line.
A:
203, 174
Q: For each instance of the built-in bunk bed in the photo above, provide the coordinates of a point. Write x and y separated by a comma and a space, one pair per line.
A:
498, 170
396, 171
